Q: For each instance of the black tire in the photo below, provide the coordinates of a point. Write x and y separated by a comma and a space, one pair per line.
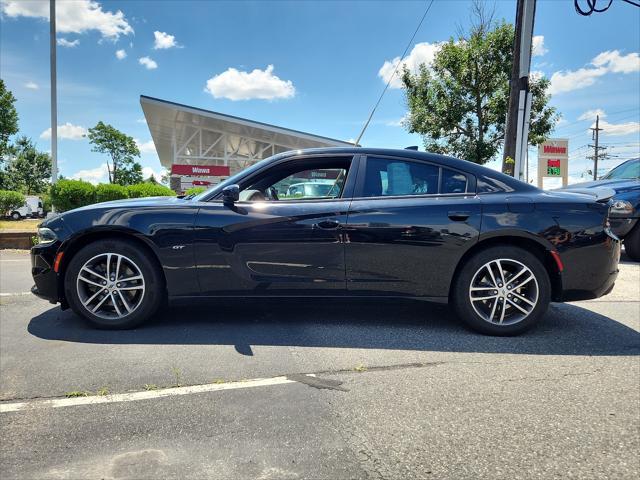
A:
16, 215
461, 292
153, 295
632, 243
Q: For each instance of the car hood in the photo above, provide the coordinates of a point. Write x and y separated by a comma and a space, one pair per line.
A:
136, 202
619, 186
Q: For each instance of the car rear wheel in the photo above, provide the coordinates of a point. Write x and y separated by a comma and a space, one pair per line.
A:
16, 215
501, 291
632, 243
113, 284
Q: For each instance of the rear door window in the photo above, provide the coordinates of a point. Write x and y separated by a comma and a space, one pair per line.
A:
453, 182
395, 177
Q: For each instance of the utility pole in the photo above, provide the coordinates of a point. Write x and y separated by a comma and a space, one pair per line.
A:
596, 148
518, 117
54, 93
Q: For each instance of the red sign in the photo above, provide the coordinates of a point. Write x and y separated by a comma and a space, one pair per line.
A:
201, 170
553, 163
554, 149
201, 182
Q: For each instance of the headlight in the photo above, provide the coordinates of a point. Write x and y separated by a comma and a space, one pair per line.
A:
621, 208
46, 235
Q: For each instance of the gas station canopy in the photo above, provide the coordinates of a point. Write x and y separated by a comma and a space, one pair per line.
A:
192, 142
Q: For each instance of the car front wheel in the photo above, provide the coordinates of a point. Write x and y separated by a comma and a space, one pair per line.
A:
16, 215
501, 291
113, 284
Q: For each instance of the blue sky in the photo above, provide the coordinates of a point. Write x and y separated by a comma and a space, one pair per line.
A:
311, 66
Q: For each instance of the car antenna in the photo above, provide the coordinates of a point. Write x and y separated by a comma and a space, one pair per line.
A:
412, 147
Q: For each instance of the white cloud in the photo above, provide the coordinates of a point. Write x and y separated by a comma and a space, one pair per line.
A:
94, 175
421, 53
616, 63
141, 120
397, 123
148, 172
618, 129
32, 85
121, 54
591, 114
63, 42
164, 40
261, 84
73, 17
66, 131
610, 61
146, 147
567, 81
148, 63
537, 48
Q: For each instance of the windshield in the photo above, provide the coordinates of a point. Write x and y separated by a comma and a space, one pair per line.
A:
233, 179
630, 169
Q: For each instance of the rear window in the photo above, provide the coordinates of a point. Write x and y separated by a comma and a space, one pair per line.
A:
492, 185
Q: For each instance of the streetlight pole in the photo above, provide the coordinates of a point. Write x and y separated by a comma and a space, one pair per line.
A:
54, 93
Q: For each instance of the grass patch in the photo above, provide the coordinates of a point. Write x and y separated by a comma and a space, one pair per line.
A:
360, 368
102, 391
76, 393
177, 374
29, 224
150, 386
219, 380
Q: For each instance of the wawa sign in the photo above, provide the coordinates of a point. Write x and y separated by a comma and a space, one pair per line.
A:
553, 160
201, 170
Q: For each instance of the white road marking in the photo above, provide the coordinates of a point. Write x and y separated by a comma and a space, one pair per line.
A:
16, 294
144, 395
24, 260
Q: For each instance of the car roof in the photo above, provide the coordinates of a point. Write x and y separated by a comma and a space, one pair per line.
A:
455, 163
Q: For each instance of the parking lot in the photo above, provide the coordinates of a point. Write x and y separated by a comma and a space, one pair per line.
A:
399, 390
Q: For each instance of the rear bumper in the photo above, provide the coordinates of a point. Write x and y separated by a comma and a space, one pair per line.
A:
45, 278
593, 274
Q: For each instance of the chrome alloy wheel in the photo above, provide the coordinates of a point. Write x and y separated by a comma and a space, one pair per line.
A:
504, 292
110, 286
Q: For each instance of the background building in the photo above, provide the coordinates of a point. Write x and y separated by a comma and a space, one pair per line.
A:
201, 147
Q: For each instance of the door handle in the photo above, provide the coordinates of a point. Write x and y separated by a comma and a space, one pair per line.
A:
459, 216
327, 224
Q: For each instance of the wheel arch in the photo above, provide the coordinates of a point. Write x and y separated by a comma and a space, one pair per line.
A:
526, 242
76, 243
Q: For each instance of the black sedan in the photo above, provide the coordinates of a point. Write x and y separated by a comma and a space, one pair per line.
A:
395, 223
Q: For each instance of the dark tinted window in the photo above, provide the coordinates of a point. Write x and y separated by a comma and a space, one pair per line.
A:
453, 182
492, 185
393, 177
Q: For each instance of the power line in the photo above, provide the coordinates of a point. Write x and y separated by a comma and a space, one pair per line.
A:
404, 54
592, 6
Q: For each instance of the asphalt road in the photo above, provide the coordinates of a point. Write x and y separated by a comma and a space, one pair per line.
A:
406, 391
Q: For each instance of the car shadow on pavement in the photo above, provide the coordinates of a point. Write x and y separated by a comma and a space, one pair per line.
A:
347, 323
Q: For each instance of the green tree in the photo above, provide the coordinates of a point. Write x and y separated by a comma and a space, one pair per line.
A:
122, 150
8, 127
8, 119
28, 170
459, 104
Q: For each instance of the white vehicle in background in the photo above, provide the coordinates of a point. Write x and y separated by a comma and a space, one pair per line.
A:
32, 208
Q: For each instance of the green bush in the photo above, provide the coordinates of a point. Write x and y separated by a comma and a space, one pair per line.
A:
140, 190
195, 190
46, 202
10, 200
107, 191
70, 194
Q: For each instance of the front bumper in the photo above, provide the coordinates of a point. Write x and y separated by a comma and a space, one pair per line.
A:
621, 226
47, 281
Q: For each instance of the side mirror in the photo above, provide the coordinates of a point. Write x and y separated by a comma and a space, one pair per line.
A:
230, 194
